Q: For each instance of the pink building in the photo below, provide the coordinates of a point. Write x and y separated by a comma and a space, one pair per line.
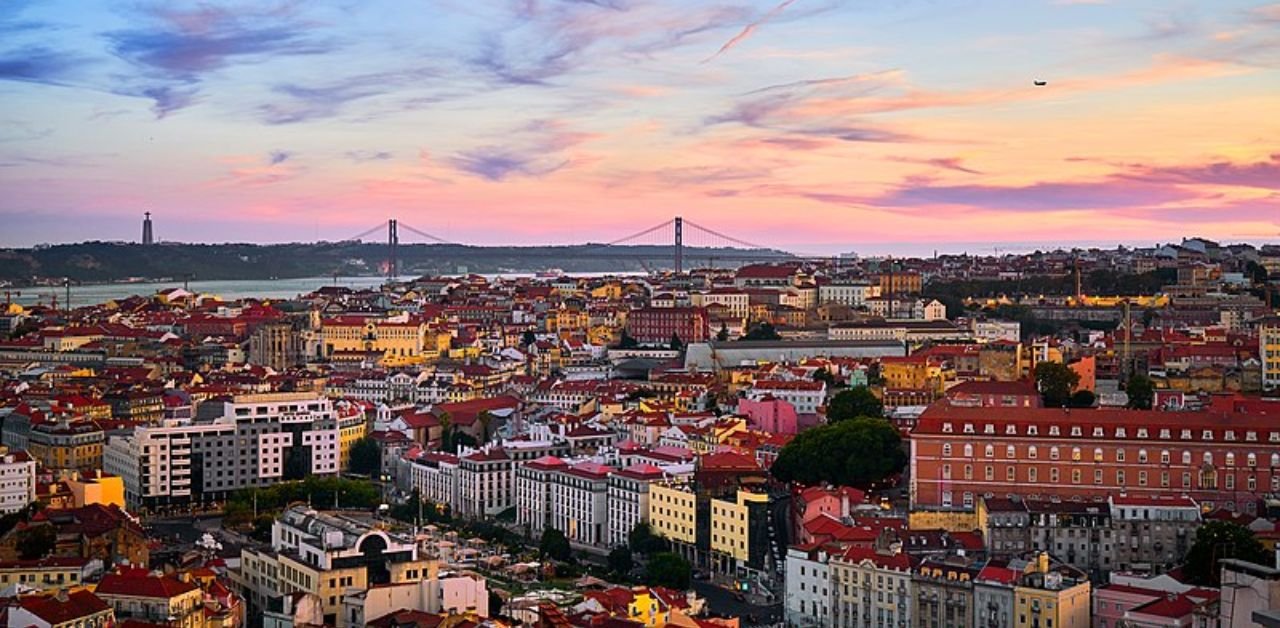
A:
770, 414
1111, 601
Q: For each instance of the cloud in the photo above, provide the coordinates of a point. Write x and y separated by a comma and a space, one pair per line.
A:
37, 64
945, 163
368, 155
278, 157
176, 48
749, 29
496, 163
1044, 196
534, 149
1261, 174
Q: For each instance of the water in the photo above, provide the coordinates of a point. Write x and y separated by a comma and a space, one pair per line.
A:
226, 289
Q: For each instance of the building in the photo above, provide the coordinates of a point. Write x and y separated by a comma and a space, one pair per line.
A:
673, 515
808, 582
1077, 533
628, 499
740, 535
352, 426
806, 396
156, 599
1051, 595
275, 345
148, 237
579, 502
1153, 534
1219, 459
854, 295
736, 302
356, 337
942, 593
329, 555
50, 573
1269, 351
463, 595
533, 493
871, 587
17, 481
67, 445
658, 325
993, 593
61, 609
486, 484
96, 488
1254, 588
233, 443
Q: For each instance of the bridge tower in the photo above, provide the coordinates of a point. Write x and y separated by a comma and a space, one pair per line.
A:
679, 224
393, 239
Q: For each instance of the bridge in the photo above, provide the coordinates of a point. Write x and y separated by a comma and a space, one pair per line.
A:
671, 233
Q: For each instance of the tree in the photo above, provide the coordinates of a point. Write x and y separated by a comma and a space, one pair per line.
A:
763, 331
554, 545
668, 570
1055, 382
486, 419
627, 342
495, 603
1082, 399
36, 542
852, 403
620, 561
642, 540
852, 452
825, 376
528, 338
366, 457
455, 440
1140, 390
1216, 540
723, 334
676, 344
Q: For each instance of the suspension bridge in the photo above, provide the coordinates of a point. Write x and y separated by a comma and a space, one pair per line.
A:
672, 237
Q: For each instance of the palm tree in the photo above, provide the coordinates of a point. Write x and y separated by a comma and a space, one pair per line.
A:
446, 429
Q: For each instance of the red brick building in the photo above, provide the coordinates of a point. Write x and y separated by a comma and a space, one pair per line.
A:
656, 325
1220, 459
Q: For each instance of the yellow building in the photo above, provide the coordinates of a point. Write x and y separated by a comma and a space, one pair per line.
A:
150, 598
54, 572
351, 428
567, 320
673, 515
913, 373
731, 529
949, 520
67, 445
1269, 351
1048, 597
96, 487
647, 609
610, 291
394, 337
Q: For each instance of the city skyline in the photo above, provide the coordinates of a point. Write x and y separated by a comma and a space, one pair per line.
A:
811, 126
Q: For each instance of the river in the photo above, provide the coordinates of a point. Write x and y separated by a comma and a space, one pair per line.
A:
226, 289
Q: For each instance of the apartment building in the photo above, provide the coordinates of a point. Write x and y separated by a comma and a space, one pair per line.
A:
485, 482
579, 502
1218, 459
628, 497
533, 493
806, 396
871, 587
329, 555
67, 445
17, 480
808, 581
1269, 351
233, 443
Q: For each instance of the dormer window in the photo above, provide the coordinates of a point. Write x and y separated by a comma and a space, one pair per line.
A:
1011, 430
1186, 435
1142, 432
1075, 430
946, 428
1120, 433
1097, 432
1206, 435
1053, 430
1230, 435
989, 429
1032, 430
1251, 436
968, 428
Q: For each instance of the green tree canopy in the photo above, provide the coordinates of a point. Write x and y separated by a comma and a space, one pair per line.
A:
36, 542
723, 334
676, 344
554, 545
1082, 399
763, 331
1055, 381
668, 570
1216, 540
620, 561
627, 342
642, 540
366, 457
1140, 390
854, 402
853, 452
528, 337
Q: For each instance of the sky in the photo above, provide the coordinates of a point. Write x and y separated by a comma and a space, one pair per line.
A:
813, 126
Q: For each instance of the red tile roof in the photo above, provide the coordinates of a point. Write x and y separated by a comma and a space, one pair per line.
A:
143, 586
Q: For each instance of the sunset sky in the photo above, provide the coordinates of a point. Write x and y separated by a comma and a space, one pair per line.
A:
811, 125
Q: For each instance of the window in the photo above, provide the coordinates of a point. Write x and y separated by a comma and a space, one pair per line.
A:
1252, 460
1208, 457
1053, 453
1119, 455
1097, 476
1031, 474
1075, 476
989, 451
968, 472
1120, 477
1010, 474
1231, 460
946, 472
1010, 452
1097, 454
990, 474
968, 451
1142, 455
1031, 452
1053, 475
1142, 478
1075, 454
946, 449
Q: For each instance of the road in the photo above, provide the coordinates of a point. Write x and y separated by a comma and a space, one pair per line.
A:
722, 602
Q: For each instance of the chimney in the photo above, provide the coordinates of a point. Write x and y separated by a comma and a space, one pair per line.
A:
61, 595
1042, 562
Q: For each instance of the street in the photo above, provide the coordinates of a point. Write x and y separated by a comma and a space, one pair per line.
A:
722, 602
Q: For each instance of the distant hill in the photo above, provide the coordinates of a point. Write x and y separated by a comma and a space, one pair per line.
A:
115, 261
